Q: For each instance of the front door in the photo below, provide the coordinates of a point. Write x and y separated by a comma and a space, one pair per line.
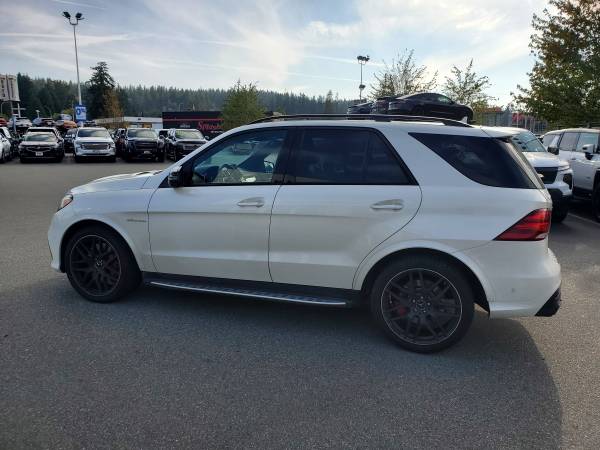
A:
584, 169
217, 225
346, 191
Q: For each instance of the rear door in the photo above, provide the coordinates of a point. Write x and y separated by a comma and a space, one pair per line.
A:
346, 191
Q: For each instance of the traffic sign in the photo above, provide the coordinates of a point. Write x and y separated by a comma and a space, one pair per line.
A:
80, 113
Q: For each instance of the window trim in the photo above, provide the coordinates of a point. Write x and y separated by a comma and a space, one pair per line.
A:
290, 176
278, 170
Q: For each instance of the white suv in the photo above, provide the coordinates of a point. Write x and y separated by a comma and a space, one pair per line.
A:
420, 220
93, 142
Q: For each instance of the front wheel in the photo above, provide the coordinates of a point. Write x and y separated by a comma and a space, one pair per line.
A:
100, 265
161, 157
424, 304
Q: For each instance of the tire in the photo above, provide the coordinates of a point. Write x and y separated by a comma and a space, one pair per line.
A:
77, 158
114, 271
422, 303
112, 159
22, 160
596, 203
161, 157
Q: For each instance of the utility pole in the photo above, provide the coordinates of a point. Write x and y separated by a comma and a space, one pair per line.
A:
78, 17
362, 60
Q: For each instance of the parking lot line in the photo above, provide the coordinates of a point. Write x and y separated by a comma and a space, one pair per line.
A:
584, 219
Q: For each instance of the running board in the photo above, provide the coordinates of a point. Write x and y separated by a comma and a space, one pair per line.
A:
246, 292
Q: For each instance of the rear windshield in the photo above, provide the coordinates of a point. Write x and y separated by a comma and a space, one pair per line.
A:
142, 133
485, 160
83, 133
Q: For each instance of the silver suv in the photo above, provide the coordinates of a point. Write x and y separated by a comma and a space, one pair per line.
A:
581, 148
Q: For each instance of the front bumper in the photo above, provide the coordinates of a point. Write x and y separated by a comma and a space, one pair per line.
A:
46, 154
145, 152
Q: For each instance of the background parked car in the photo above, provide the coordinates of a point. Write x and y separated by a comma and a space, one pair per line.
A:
5, 149
43, 122
380, 106
581, 148
430, 104
119, 138
14, 140
20, 123
93, 142
360, 108
556, 174
41, 146
180, 142
45, 130
142, 143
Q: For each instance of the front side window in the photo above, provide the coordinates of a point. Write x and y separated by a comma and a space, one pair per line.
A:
585, 139
337, 156
551, 140
567, 143
443, 99
243, 159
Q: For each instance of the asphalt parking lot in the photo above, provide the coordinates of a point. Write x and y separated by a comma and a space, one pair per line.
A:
165, 369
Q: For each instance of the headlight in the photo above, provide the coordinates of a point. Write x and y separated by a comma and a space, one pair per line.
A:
66, 200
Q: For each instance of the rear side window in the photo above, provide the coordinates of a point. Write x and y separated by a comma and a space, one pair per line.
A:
585, 139
485, 160
336, 156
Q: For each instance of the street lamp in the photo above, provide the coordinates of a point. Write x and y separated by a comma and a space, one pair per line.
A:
362, 60
78, 17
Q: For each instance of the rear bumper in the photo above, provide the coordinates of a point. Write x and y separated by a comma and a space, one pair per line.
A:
521, 276
552, 306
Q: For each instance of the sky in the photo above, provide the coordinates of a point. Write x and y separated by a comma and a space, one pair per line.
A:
307, 46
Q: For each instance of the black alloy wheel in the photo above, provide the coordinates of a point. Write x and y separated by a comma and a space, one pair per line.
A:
421, 306
423, 302
95, 265
100, 265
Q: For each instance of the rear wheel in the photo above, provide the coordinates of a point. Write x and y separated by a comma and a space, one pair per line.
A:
423, 304
100, 265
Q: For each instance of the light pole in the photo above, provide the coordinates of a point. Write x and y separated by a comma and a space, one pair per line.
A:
362, 60
78, 17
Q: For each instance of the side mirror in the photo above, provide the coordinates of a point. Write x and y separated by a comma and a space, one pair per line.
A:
176, 177
553, 150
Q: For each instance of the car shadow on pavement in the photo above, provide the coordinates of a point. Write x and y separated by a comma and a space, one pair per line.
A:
271, 374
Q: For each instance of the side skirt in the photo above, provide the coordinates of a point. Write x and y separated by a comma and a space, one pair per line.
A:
260, 290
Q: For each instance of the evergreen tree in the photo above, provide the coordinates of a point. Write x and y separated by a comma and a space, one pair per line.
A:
100, 86
242, 106
564, 82
329, 109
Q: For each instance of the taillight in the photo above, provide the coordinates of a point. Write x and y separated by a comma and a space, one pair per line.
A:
533, 227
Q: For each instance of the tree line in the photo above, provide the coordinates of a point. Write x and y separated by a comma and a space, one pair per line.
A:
51, 97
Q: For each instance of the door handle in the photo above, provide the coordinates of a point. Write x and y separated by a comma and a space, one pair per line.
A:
393, 205
252, 201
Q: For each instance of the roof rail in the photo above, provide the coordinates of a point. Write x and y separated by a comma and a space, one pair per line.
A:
375, 117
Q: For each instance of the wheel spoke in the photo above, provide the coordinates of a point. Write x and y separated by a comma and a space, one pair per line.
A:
95, 265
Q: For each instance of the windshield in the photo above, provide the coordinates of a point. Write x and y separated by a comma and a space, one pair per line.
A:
142, 133
527, 142
93, 133
40, 137
188, 134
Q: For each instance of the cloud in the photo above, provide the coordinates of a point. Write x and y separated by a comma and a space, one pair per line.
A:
85, 5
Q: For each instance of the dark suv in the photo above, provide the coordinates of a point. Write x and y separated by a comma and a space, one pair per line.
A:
180, 142
430, 104
142, 143
360, 108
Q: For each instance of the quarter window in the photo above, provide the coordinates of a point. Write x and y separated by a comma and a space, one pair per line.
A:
248, 158
336, 156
